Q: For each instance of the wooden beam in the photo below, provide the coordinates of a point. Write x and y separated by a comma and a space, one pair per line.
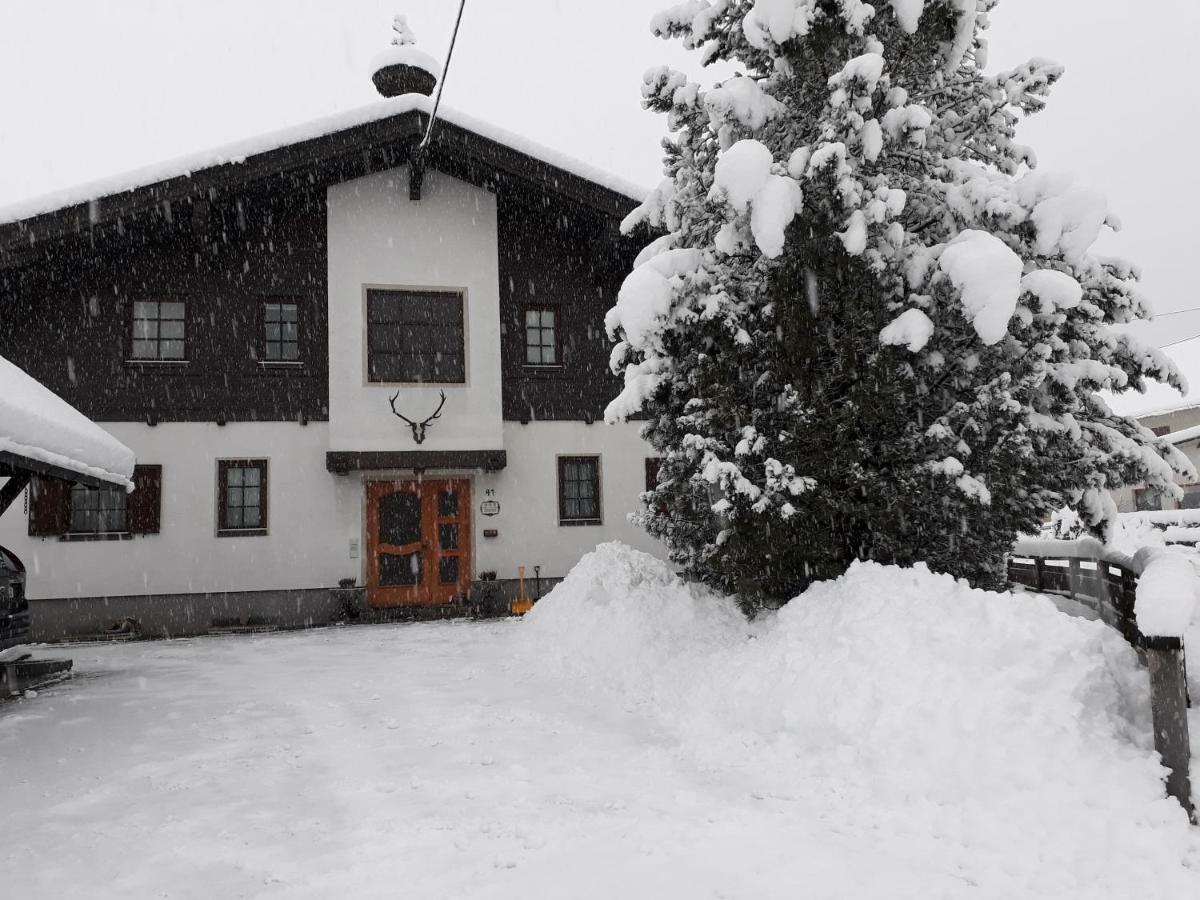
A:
12, 489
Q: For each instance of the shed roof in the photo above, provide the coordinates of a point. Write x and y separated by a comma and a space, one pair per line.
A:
41, 432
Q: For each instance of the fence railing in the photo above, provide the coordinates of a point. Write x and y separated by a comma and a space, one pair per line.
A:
1106, 582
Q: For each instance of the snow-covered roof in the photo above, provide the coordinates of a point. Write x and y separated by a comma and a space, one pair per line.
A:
36, 424
240, 151
1159, 398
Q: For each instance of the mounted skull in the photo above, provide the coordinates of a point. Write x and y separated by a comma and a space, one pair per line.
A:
418, 428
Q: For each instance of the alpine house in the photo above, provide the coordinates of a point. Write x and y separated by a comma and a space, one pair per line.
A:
339, 356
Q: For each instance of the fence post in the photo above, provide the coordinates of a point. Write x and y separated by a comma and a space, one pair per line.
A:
1039, 566
1073, 576
1168, 705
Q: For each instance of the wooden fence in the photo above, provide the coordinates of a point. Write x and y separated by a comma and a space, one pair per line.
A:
1106, 583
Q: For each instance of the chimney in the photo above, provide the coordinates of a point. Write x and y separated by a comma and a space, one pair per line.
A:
402, 68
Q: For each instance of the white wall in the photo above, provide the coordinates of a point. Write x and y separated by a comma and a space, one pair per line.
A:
378, 237
311, 513
527, 490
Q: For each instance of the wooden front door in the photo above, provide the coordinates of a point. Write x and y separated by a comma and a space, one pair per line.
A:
418, 541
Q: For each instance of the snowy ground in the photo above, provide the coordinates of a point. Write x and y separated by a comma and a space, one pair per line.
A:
471, 760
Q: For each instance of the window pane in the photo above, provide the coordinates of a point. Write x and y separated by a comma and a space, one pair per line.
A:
145, 328
448, 537
448, 503
271, 312
548, 318
291, 351
145, 349
448, 569
145, 309
171, 311
171, 349
233, 475
250, 475
251, 516
548, 354
289, 312
171, 328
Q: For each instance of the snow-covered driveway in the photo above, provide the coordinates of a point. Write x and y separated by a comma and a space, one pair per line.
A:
401, 761
461, 760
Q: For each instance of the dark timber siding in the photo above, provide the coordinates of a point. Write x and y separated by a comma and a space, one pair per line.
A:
65, 318
558, 255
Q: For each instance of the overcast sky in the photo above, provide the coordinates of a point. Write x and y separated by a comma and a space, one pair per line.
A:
91, 88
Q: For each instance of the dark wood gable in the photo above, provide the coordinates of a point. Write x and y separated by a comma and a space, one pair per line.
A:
229, 238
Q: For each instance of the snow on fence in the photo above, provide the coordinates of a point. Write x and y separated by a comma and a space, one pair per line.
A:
1159, 584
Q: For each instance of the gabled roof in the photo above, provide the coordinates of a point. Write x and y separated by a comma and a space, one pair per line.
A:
41, 432
459, 137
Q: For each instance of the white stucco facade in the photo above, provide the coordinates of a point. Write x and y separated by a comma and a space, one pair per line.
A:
446, 241
316, 531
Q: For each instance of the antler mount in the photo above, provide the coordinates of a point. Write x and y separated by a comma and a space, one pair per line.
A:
418, 428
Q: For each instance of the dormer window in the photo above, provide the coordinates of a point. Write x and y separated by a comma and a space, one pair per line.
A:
159, 331
541, 336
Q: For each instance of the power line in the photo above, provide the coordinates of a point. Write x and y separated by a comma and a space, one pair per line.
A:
442, 81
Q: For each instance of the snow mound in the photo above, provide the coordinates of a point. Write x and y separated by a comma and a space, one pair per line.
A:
1003, 738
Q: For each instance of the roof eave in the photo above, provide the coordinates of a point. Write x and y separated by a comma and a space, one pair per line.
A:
405, 128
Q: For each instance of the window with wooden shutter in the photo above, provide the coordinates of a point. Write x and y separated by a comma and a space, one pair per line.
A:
49, 507
145, 503
60, 509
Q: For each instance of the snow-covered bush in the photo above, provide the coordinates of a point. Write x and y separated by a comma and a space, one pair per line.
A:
869, 329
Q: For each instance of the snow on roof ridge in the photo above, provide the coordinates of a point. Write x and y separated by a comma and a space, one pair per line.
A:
239, 151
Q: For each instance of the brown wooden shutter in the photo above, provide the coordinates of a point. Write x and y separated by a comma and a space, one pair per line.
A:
144, 505
49, 507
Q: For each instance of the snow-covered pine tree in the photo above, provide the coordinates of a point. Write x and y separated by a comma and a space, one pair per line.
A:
869, 329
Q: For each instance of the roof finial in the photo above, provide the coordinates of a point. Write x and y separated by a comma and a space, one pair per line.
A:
402, 68
404, 35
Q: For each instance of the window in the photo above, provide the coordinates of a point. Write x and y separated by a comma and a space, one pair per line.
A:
159, 330
1160, 430
1191, 497
653, 463
242, 497
579, 490
541, 337
281, 332
78, 512
1148, 499
97, 510
415, 336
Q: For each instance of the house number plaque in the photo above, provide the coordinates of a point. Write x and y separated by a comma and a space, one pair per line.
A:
490, 507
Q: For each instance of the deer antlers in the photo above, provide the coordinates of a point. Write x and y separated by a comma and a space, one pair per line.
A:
418, 428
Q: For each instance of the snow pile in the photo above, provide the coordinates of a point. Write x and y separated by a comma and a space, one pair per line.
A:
1011, 736
1166, 595
988, 273
402, 51
912, 328
37, 424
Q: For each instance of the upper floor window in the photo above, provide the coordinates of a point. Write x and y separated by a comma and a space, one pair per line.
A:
242, 497
415, 336
159, 330
541, 336
281, 332
579, 490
